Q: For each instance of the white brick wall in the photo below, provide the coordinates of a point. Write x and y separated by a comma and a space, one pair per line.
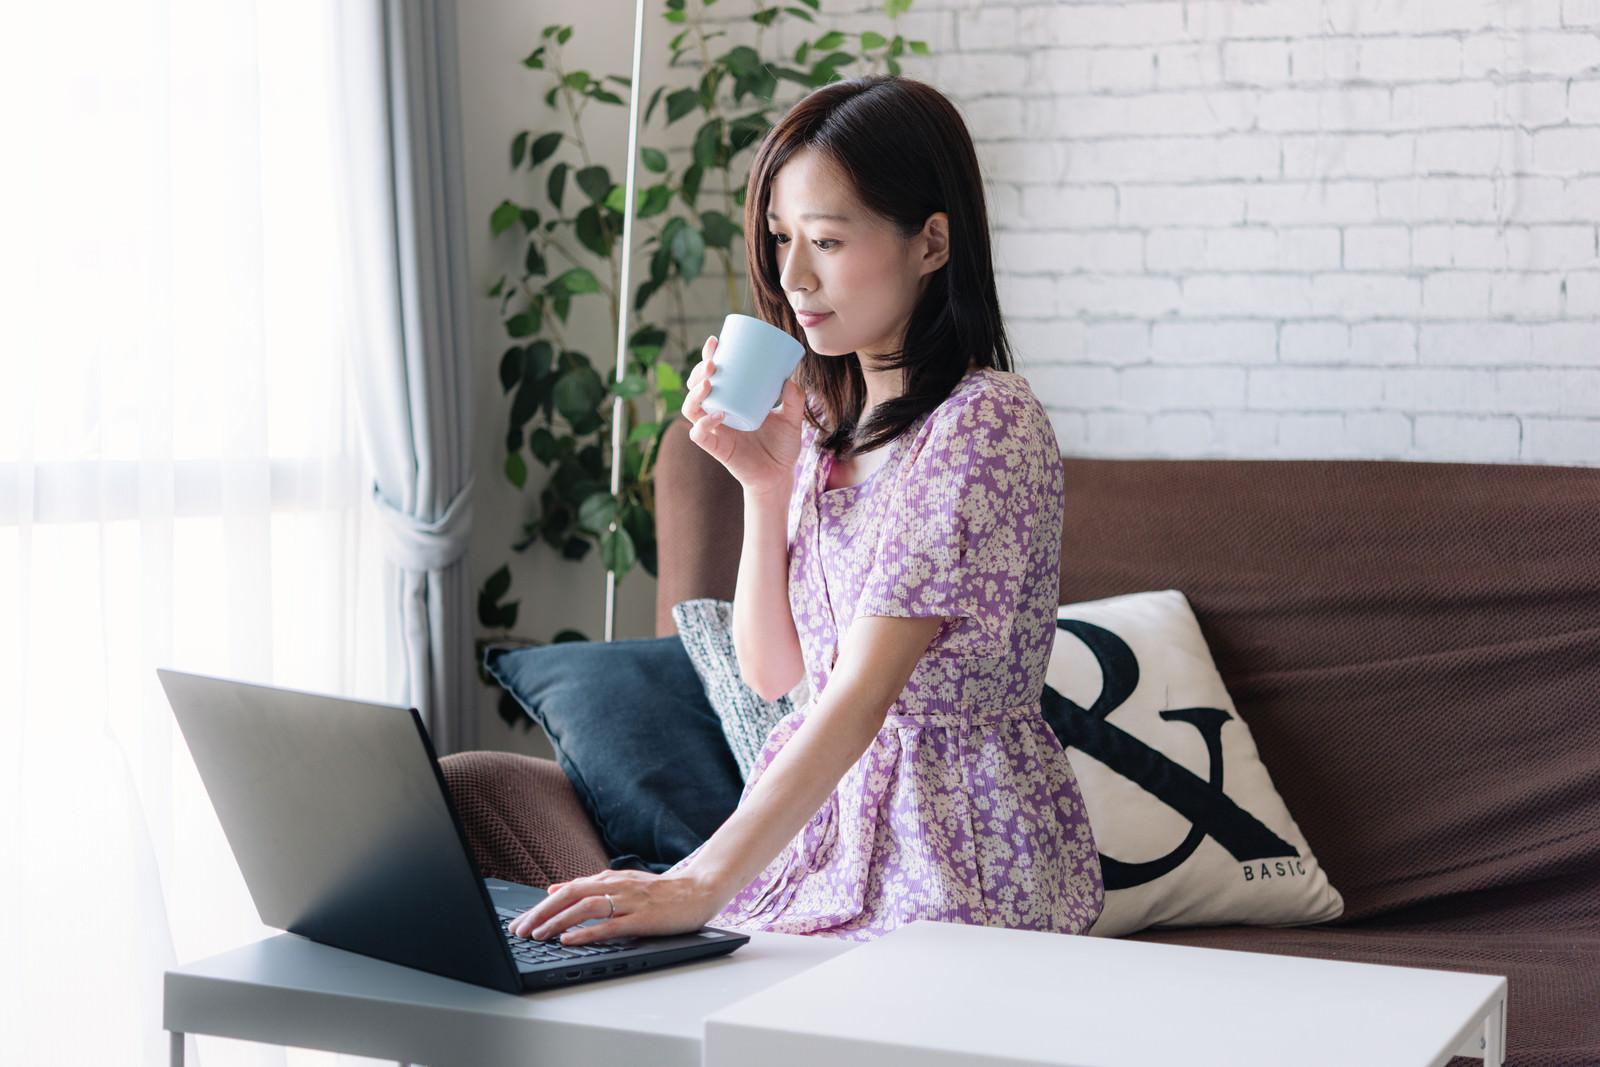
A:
1277, 228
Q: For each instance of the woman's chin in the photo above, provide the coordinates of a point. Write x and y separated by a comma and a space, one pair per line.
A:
823, 348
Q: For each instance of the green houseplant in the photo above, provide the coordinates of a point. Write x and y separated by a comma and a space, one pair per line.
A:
568, 240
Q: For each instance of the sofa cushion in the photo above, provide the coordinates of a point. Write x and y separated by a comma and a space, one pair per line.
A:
1416, 647
705, 625
1190, 830
633, 731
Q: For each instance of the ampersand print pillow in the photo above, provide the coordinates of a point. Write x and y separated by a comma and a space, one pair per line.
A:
1190, 829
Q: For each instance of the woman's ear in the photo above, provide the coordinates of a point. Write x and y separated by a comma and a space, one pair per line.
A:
935, 240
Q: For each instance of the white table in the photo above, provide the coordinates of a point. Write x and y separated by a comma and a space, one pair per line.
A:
287, 990
936, 995
929, 995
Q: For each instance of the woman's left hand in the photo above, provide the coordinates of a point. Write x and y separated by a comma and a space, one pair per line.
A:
630, 903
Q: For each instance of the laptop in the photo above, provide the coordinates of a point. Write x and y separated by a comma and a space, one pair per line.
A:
339, 817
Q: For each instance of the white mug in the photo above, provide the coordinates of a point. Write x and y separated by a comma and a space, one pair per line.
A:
753, 361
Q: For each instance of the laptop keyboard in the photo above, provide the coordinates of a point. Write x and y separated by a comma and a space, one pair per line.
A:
525, 950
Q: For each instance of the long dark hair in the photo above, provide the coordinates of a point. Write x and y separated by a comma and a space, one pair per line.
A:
907, 153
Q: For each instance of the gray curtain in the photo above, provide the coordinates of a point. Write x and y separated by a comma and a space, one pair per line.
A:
413, 365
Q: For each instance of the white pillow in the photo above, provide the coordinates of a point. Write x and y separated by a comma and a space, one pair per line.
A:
1132, 693
706, 629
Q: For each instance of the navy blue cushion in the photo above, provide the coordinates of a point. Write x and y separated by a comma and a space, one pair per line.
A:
634, 732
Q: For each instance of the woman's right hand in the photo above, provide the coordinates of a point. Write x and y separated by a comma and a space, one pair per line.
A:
762, 459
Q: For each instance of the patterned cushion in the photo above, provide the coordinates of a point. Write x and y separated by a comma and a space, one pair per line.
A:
1190, 829
706, 629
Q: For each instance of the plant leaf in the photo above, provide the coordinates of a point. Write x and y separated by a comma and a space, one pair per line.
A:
517, 470
535, 60
708, 144
680, 104
511, 365
519, 148
919, 47
578, 79
597, 511
497, 584
542, 443
544, 148
576, 280
827, 69
654, 160
691, 183
504, 217
667, 378
556, 187
719, 230
655, 98
577, 394
533, 261
595, 182
689, 253
747, 130
654, 200
869, 39
521, 324
631, 386
645, 431
592, 233
617, 552
828, 41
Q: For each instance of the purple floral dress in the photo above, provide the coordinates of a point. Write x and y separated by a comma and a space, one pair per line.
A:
964, 808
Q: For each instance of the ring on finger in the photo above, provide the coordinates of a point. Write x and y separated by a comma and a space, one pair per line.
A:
613, 912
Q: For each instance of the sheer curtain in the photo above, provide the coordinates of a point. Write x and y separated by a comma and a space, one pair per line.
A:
179, 478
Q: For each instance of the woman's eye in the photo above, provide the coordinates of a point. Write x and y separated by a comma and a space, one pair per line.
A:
780, 238
825, 245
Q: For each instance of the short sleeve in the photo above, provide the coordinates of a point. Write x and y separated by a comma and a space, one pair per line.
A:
968, 504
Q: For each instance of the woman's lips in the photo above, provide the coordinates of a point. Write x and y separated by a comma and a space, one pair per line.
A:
808, 319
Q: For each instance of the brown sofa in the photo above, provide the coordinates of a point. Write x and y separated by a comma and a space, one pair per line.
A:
1416, 649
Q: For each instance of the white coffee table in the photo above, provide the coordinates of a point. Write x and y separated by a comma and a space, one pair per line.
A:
290, 991
937, 995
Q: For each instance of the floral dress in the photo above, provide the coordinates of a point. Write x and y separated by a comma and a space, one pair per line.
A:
963, 808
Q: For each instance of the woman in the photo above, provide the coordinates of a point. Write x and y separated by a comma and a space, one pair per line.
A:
902, 549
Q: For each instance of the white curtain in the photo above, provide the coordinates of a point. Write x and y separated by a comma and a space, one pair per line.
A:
413, 362
180, 484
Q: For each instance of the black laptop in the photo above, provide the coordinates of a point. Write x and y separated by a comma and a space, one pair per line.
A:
345, 833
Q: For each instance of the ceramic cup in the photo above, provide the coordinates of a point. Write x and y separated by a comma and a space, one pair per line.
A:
753, 361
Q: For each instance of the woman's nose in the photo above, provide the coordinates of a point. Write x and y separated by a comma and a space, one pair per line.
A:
794, 273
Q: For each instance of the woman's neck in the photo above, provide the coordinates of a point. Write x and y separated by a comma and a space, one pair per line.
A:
883, 385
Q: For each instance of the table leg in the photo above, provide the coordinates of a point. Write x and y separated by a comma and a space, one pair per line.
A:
177, 1048
1491, 1039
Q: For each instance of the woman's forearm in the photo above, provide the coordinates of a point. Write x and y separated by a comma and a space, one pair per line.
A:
876, 659
764, 636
